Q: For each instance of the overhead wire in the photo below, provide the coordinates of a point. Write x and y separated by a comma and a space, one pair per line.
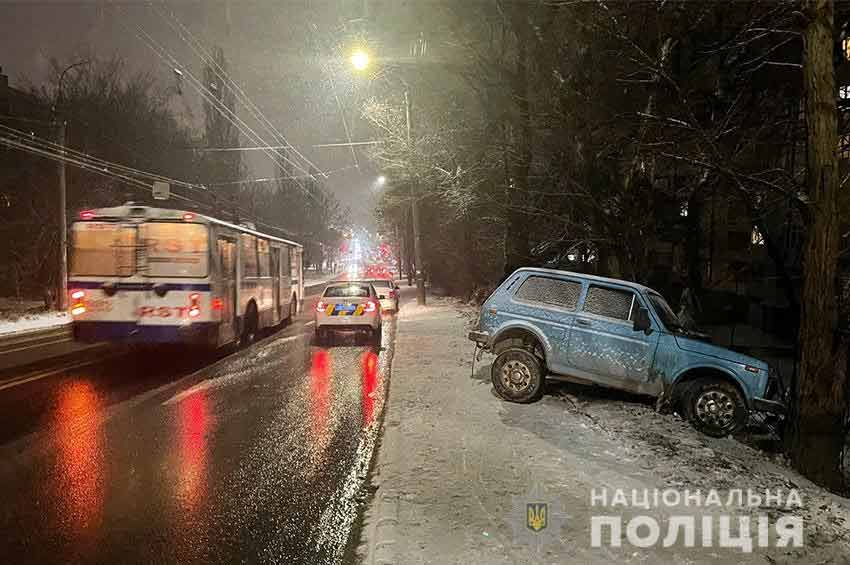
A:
183, 32
28, 137
220, 107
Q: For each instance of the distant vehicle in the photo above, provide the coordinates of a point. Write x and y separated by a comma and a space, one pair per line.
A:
387, 293
348, 307
546, 323
378, 271
155, 275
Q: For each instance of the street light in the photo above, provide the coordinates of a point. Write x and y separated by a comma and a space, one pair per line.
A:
381, 180
360, 60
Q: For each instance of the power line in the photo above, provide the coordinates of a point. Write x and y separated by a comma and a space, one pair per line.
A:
272, 179
96, 161
222, 108
222, 74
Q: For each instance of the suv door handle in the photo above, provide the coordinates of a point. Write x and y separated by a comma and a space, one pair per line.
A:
583, 321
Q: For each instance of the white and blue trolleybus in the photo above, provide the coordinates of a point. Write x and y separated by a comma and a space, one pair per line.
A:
155, 275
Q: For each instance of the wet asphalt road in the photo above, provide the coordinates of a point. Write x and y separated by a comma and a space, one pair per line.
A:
167, 456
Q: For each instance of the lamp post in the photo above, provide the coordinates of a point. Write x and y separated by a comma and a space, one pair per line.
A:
59, 123
360, 60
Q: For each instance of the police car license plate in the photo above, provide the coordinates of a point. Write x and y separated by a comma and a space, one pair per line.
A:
348, 310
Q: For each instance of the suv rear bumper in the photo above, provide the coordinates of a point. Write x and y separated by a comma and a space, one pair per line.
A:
480, 337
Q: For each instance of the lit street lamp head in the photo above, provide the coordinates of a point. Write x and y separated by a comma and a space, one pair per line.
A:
381, 180
360, 60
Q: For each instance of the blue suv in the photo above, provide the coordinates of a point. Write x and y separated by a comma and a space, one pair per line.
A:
546, 323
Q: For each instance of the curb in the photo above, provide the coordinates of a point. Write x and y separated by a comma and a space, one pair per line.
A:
383, 531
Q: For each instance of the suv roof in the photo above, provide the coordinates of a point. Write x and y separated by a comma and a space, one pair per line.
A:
639, 287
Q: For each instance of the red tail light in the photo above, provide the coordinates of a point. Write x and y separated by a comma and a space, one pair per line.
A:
86, 215
78, 306
194, 306
370, 306
320, 306
217, 304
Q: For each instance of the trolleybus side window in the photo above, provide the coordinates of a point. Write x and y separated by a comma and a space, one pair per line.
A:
103, 249
263, 253
175, 250
286, 266
249, 255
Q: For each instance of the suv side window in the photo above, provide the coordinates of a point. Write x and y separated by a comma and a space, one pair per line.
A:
610, 302
563, 294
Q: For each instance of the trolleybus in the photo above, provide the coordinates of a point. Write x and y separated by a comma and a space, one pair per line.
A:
155, 275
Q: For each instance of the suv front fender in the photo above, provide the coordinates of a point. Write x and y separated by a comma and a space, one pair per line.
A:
520, 326
708, 369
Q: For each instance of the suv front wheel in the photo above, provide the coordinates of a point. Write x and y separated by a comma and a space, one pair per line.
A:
715, 407
517, 376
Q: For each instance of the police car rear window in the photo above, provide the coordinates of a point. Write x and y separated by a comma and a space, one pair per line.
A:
563, 294
349, 291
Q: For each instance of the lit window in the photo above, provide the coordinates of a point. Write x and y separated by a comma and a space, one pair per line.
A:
844, 92
683, 210
846, 48
757, 238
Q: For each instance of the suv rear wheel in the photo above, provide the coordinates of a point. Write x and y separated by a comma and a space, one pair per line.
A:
517, 376
715, 407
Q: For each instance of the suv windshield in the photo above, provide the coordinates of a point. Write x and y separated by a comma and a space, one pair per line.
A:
668, 317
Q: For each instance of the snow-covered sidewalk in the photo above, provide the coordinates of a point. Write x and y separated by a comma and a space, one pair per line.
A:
460, 475
33, 322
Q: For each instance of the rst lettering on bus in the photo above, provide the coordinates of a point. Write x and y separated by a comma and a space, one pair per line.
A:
156, 275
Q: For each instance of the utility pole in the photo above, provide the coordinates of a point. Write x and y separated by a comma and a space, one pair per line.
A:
62, 287
414, 213
60, 125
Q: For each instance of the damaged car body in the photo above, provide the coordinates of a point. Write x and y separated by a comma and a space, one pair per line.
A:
545, 323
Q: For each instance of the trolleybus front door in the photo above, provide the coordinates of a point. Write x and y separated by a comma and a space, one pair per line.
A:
227, 264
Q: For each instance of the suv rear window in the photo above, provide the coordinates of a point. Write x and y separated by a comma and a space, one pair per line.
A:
563, 294
348, 291
610, 302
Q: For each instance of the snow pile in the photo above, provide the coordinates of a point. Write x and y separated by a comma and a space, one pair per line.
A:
32, 322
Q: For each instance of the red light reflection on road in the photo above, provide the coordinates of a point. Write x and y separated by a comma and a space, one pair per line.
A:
79, 457
369, 365
193, 422
320, 392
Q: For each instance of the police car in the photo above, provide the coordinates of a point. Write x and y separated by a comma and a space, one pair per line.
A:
351, 306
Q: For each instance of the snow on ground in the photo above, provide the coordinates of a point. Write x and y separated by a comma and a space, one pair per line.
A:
32, 322
457, 466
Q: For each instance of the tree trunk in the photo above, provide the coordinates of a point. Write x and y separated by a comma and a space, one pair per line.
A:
517, 228
816, 435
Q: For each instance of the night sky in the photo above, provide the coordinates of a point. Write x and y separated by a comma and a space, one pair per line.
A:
279, 52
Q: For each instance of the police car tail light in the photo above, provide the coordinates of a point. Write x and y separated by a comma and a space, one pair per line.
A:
370, 306
320, 306
194, 307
